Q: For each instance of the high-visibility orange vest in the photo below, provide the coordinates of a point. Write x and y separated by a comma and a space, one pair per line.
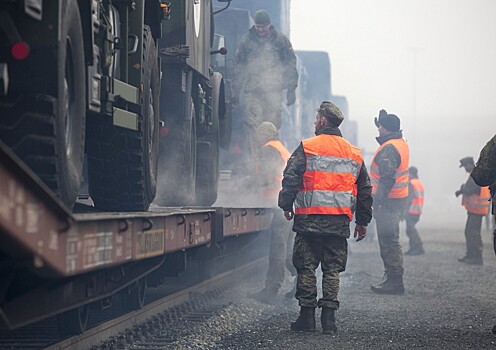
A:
276, 184
400, 187
477, 203
418, 197
329, 181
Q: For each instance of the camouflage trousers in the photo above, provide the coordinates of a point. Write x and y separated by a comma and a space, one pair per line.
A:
473, 238
411, 230
331, 252
387, 219
261, 108
280, 232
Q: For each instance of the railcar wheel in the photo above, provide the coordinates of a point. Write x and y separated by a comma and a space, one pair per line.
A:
134, 297
74, 321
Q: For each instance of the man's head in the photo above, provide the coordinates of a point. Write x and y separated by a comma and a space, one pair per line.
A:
265, 132
467, 163
387, 123
413, 171
328, 114
262, 23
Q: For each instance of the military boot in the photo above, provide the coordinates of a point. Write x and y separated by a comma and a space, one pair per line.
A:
266, 296
465, 258
392, 284
328, 321
306, 321
475, 260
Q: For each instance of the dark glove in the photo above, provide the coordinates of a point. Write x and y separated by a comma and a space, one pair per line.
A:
290, 97
457, 193
382, 113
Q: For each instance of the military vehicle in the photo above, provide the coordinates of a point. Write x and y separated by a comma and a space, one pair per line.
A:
124, 86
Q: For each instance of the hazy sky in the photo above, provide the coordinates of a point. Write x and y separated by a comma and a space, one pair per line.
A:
431, 62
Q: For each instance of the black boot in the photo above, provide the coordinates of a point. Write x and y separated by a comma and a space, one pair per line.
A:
475, 260
306, 321
465, 258
392, 284
328, 320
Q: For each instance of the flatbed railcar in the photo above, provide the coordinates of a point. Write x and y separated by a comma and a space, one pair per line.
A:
54, 262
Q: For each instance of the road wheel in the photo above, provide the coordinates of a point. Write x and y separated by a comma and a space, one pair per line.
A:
46, 126
177, 164
207, 176
122, 164
225, 119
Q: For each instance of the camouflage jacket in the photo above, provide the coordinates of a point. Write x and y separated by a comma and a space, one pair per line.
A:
263, 65
484, 173
337, 225
388, 160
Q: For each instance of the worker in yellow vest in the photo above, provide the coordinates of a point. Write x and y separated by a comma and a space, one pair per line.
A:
412, 217
389, 177
270, 162
475, 199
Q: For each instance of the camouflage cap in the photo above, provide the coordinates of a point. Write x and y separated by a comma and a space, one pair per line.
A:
262, 17
466, 161
267, 129
331, 112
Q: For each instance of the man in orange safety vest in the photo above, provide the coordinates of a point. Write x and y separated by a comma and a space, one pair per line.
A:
415, 206
389, 177
271, 159
475, 199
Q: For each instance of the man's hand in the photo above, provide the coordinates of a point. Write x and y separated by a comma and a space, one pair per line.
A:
360, 232
289, 214
290, 97
457, 193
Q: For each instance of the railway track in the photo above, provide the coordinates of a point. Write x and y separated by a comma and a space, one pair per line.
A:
145, 328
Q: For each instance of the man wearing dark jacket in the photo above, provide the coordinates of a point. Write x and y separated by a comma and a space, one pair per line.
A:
389, 177
324, 183
484, 174
264, 66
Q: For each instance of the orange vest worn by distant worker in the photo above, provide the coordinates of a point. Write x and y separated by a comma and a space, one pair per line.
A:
400, 187
329, 181
276, 185
418, 197
477, 204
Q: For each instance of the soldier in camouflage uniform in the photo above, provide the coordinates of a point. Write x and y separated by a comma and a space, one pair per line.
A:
271, 160
389, 176
484, 174
265, 65
326, 181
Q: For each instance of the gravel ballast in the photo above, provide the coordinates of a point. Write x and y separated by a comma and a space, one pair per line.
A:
447, 305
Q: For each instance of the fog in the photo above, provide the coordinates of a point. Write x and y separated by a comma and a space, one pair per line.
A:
432, 63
